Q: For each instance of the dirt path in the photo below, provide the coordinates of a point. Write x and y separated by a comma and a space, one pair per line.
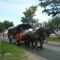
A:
32, 56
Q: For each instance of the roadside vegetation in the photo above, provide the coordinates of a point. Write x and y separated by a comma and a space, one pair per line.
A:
53, 39
11, 52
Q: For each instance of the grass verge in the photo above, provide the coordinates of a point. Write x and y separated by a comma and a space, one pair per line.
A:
15, 53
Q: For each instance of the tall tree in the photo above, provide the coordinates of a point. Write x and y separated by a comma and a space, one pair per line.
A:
50, 6
29, 14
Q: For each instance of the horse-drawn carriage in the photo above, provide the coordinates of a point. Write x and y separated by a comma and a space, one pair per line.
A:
18, 29
27, 34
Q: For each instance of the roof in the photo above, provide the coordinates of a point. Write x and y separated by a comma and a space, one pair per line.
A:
11, 27
18, 28
24, 26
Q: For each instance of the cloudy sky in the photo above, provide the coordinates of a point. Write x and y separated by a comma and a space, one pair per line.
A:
12, 10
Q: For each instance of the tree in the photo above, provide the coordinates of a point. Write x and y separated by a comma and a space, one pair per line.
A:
54, 23
25, 20
50, 6
1, 27
29, 14
7, 24
45, 25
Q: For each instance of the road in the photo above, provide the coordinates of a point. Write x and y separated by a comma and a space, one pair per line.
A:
50, 52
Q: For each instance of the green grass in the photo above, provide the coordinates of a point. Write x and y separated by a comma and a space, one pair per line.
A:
17, 52
53, 39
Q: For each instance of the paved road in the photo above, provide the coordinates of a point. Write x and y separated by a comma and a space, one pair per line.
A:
50, 52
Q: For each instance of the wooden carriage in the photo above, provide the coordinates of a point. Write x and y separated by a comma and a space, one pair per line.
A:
20, 29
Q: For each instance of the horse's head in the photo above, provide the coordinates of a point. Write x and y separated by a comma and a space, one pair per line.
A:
49, 31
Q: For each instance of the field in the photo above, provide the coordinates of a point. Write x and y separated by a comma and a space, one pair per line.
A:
11, 52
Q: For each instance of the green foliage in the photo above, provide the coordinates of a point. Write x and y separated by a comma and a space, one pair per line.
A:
1, 27
30, 11
53, 39
54, 23
29, 14
17, 52
50, 6
5, 25
24, 20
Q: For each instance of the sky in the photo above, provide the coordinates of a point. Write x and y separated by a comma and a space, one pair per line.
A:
12, 10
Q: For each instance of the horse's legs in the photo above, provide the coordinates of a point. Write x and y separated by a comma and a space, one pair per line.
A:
32, 43
27, 43
36, 44
41, 42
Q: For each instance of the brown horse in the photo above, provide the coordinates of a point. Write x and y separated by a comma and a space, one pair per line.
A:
38, 35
